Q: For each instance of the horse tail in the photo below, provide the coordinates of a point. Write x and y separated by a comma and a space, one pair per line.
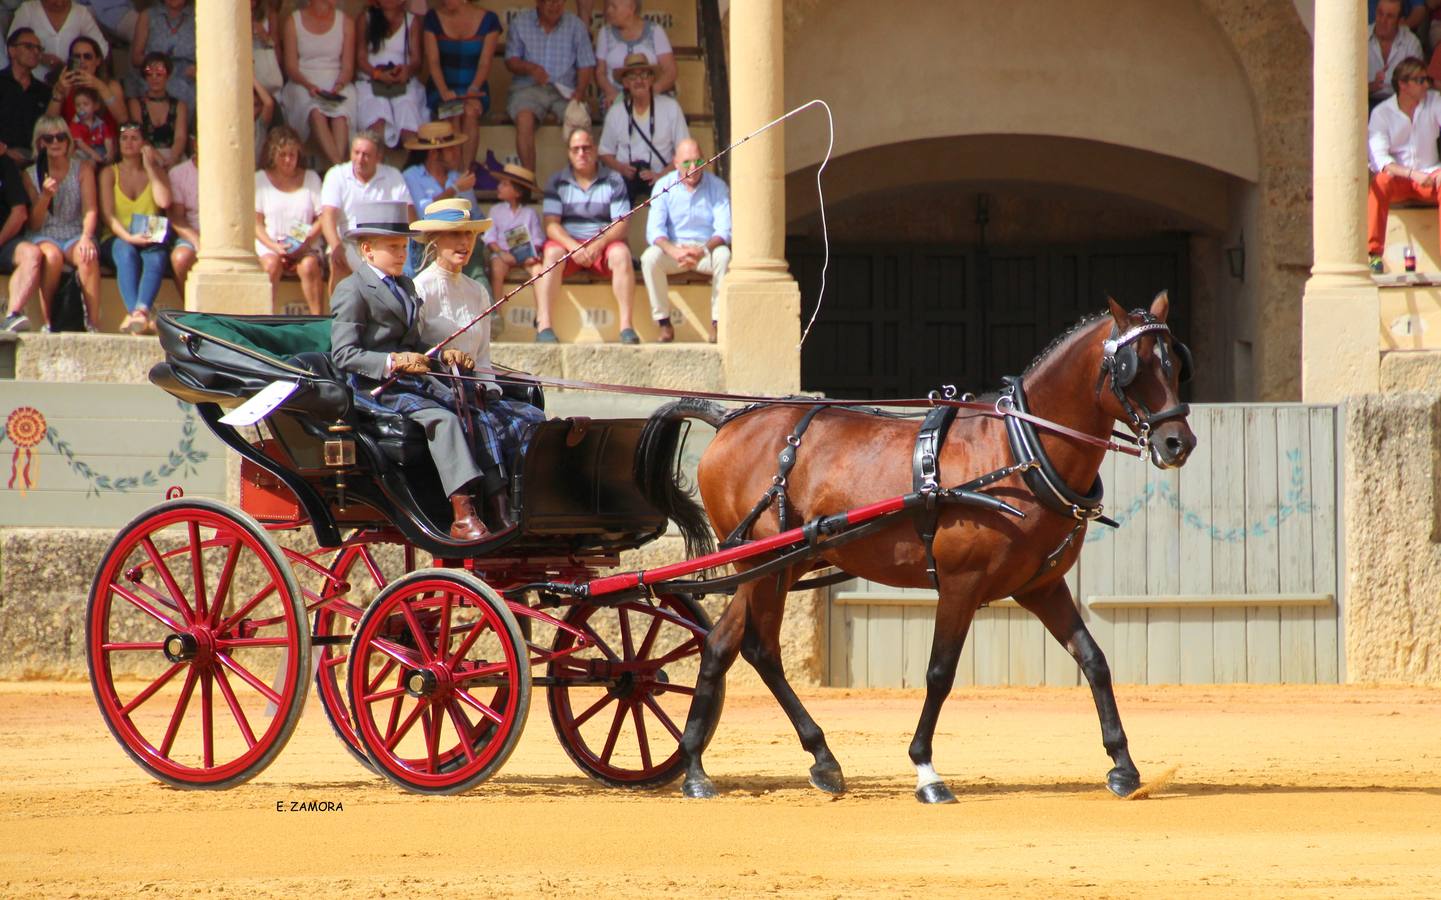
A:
657, 475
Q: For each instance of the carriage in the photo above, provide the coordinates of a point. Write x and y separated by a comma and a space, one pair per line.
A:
206, 621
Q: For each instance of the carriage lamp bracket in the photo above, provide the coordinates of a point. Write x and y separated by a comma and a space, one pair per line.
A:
339, 450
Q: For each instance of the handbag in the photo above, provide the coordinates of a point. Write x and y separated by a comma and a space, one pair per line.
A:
67, 307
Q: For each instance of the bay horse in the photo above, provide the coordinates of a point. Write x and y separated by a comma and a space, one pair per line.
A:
1117, 365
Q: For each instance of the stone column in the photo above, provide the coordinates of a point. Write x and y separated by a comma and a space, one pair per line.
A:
227, 277
1340, 313
760, 315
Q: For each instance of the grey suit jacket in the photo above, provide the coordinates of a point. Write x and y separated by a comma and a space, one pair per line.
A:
369, 324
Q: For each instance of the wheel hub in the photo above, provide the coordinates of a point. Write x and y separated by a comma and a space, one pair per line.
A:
420, 683
181, 648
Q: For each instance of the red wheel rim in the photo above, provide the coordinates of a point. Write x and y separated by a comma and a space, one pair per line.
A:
193, 581
339, 618
432, 681
628, 729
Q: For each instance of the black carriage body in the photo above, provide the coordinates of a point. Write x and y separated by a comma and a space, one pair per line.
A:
575, 494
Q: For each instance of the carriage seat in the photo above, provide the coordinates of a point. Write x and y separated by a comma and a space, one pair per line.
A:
399, 438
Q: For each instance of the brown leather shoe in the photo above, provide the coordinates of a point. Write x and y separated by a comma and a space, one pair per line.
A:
667, 333
497, 507
467, 525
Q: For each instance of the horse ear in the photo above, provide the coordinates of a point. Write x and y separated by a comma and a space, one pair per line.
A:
1161, 306
1122, 319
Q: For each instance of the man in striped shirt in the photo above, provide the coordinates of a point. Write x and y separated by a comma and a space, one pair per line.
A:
583, 201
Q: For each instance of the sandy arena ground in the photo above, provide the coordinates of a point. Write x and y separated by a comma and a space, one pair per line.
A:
1294, 791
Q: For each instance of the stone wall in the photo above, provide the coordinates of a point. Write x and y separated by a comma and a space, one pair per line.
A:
1393, 538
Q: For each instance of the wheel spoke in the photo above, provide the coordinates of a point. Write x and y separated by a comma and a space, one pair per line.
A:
411, 622
338, 659
638, 715
689, 648
246, 608
222, 584
396, 652
146, 608
462, 728
176, 717
371, 566
149, 692
665, 720
147, 645
207, 711
235, 710
198, 567
248, 678
465, 697
380, 676
255, 642
386, 694
610, 740
433, 722
395, 735
648, 641
393, 719
472, 633
599, 642
481, 671
595, 707
675, 689
627, 640
168, 577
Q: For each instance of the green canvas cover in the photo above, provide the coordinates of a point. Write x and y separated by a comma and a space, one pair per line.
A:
275, 337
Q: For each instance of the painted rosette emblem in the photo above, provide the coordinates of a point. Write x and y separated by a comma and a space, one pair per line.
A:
25, 428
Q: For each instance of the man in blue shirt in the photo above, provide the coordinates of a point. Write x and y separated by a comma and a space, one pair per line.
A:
548, 51
689, 231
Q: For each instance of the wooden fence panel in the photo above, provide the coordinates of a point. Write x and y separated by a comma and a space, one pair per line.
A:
1195, 555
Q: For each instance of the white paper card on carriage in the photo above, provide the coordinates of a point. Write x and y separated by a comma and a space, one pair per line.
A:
261, 405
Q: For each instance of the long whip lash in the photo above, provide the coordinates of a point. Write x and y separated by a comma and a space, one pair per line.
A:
825, 235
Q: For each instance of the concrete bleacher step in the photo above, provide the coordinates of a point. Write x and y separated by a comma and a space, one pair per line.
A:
1419, 228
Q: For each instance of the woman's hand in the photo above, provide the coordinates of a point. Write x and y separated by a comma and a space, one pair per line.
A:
465, 182
50, 186
86, 249
447, 94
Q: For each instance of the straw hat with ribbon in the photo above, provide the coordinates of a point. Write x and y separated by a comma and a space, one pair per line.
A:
435, 135
448, 215
634, 62
517, 175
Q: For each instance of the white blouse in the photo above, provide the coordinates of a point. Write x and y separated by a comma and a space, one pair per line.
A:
448, 301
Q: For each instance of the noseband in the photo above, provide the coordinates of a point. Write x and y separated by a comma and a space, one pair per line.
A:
1121, 363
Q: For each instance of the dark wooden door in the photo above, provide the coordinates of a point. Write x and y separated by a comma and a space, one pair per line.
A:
902, 320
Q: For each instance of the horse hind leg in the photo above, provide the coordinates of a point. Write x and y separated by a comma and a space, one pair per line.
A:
761, 648
717, 655
1053, 605
953, 621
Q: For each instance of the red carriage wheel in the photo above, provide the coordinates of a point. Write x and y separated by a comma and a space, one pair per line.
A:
439, 681
620, 706
196, 641
366, 569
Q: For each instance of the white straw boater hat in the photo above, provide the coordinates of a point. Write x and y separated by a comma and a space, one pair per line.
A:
379, 217
448, 215
435, 135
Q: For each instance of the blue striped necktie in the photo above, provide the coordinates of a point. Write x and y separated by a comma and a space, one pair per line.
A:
402, 295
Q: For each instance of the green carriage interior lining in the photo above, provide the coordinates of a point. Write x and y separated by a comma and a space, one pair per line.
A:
278, 340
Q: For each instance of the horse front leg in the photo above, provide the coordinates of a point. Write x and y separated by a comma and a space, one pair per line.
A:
953, 621
761, 648
1052, 604
717, 655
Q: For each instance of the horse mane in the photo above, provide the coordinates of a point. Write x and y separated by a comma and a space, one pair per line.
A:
1081, 324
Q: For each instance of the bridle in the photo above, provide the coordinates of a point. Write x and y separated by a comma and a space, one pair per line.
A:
1120, 362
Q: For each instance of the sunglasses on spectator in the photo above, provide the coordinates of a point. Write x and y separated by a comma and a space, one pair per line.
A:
55, 138
583, 148
691, 164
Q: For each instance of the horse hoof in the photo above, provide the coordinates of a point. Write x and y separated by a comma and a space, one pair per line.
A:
935, 792
698, 788
828, 778
1123, 782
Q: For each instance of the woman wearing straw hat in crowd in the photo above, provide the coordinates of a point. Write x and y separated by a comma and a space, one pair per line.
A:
452, 300
439, 175
515, 234
641, 134
375, 333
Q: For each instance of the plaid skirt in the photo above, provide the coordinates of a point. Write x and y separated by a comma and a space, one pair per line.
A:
499, 428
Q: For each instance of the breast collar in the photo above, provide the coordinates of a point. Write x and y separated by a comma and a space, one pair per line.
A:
1040, 474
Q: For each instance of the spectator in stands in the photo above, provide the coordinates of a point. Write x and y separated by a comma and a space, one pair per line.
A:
689, 230
134, 193
265, 43
91, 128
362, 180
23, 96
516, 235
184, 215
63, 215
18, 259
1389, 44
116, 17
1402, 142
460, 42
262, 104
287, 218
320, 65
40, 17
441, 175
389, 97
7, 12
164, 119
548, 51
641, 133
624, 35
88, 68
168, 27
1413, 13
583, 201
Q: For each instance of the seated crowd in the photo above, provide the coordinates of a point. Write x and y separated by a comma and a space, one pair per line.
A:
98, 169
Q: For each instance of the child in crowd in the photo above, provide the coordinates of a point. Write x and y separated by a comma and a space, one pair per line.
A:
93, 133
515, 235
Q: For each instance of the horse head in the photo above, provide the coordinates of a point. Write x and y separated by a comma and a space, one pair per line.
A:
1142, 369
